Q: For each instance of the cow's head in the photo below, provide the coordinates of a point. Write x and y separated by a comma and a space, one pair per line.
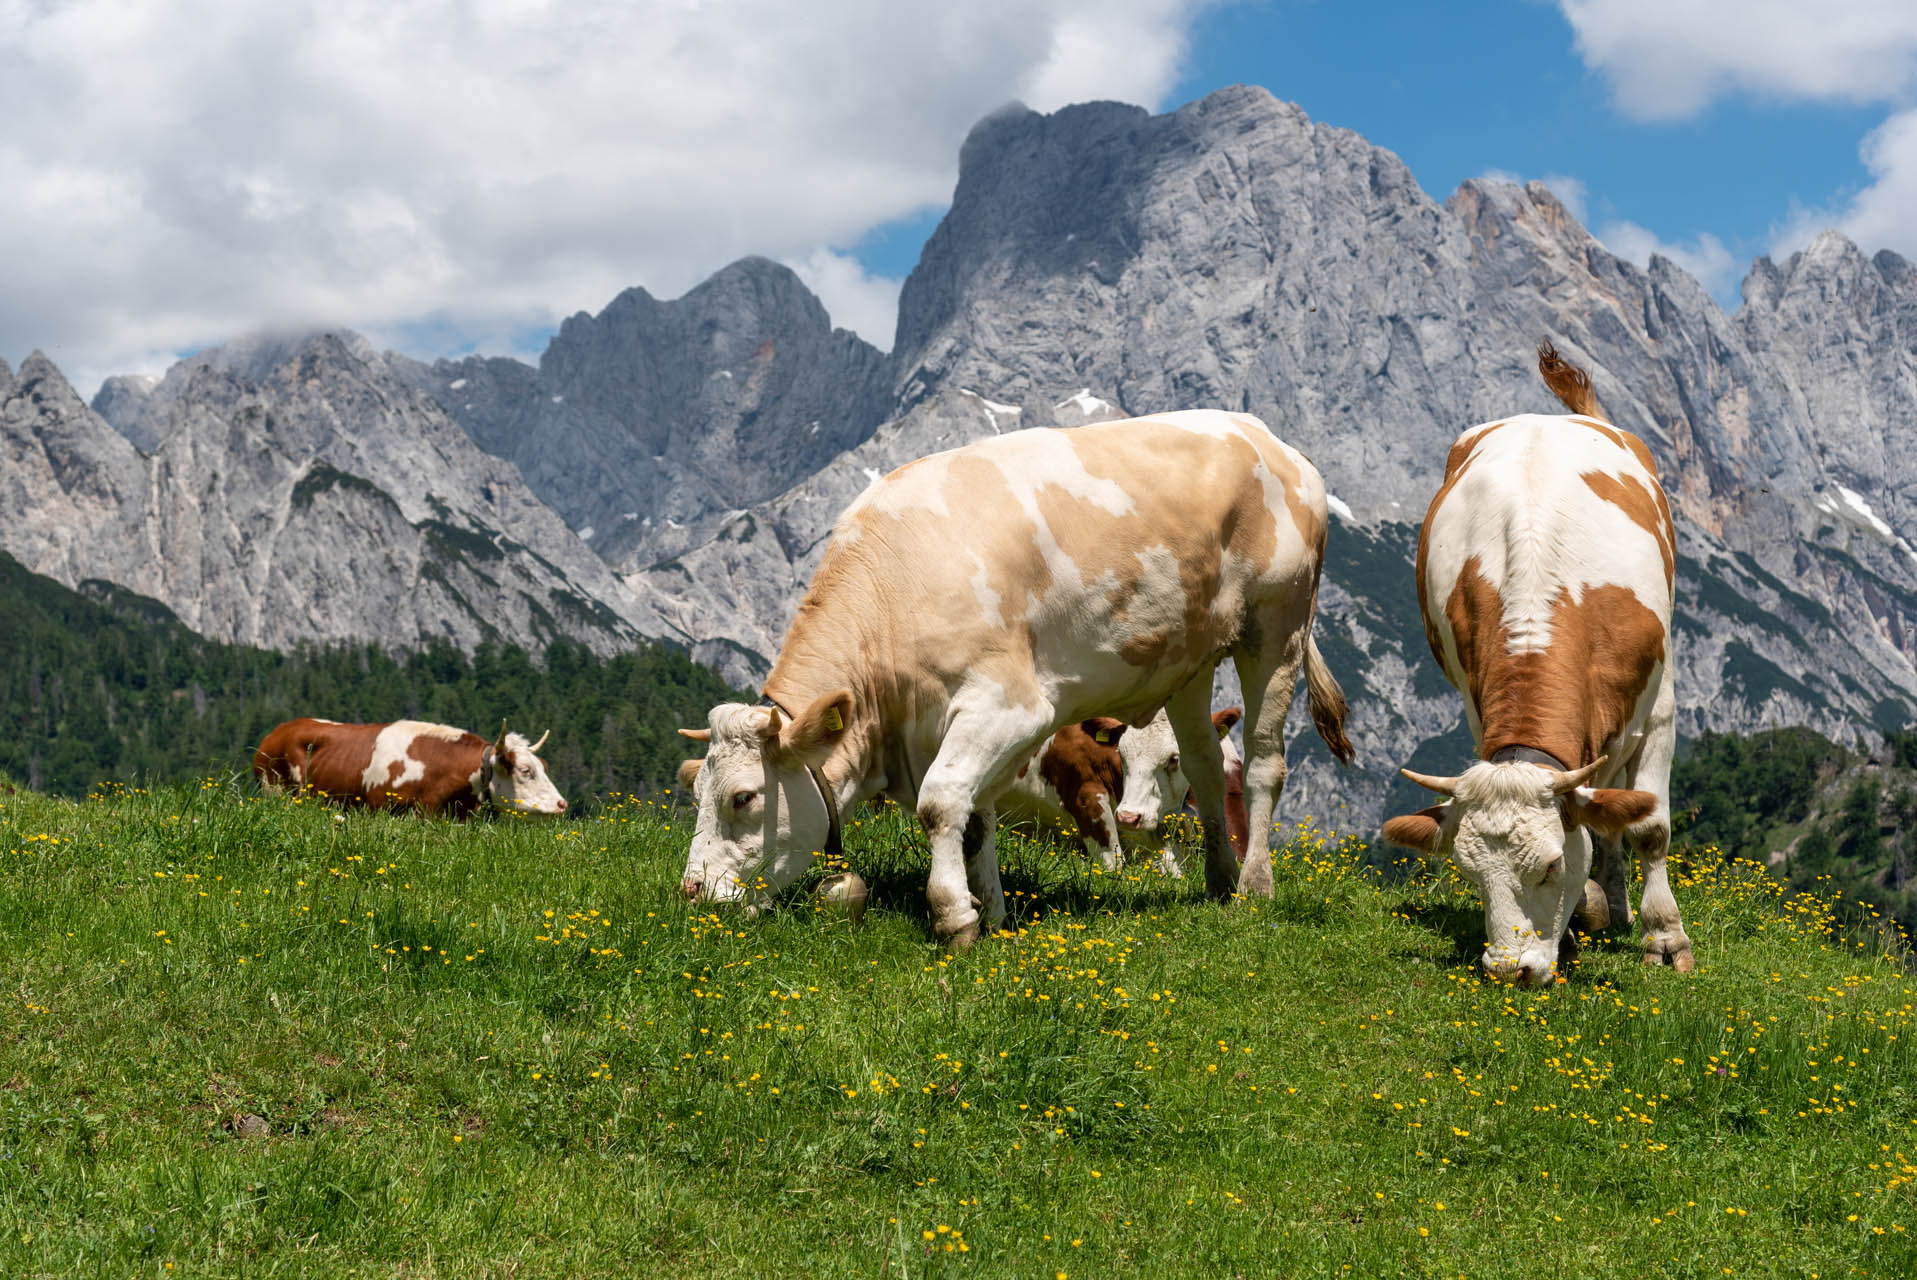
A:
762, 812
514, 777
1155, 785
1519, 833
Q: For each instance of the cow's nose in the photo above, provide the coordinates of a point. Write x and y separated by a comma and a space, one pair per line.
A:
562, 805
1522, 973
690, 888
1130, 818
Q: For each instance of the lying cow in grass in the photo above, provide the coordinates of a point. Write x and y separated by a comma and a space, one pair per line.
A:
972, 602
1545, 572
407, 764
1118, 787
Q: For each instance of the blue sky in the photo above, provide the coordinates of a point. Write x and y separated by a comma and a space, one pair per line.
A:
449, 176
1474, 87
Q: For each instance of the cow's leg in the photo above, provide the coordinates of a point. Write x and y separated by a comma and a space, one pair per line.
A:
1665, 941
1189, 711
1111, 855
981, 868
1268, 678
979, 745
1607, 896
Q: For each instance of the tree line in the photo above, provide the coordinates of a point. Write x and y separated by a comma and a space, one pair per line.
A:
104, 685
1823, 817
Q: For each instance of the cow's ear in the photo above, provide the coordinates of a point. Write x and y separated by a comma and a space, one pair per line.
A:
814, 732
689, 772
1610, 810
697, 735
1104, 730
1224, 721
1417, 830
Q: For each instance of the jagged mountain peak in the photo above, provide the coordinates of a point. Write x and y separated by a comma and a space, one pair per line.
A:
1100, 261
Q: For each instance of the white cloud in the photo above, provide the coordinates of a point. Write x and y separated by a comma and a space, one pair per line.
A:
1705, 257
1668, 59
178, 171
866, 304
1882, 215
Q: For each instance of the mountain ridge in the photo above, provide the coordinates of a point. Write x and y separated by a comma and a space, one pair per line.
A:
689, 456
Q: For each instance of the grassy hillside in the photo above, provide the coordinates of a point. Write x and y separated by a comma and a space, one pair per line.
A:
1823, 817
251, 1037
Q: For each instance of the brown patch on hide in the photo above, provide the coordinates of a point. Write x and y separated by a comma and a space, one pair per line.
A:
1082, 771
331, 760
1646, 507
1570, 698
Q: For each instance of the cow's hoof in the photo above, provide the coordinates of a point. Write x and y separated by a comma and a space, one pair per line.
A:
1594, 912
962, 939
1673, 949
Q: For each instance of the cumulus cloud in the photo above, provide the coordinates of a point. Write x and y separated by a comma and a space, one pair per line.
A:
1706, 258
177, 171
1881, 216
856, 300
1668, 59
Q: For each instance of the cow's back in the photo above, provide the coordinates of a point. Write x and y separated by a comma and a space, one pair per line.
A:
1095, 568
1545, 576
403, 764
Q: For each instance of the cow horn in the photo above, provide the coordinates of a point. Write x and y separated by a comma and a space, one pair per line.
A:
542, 741
1575, 778
697, 735
1443, 786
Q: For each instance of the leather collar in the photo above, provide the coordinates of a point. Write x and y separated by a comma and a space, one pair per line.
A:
835, 833
1529, 755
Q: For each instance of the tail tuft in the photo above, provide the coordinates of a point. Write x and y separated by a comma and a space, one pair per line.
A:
1327, 702
1568, 382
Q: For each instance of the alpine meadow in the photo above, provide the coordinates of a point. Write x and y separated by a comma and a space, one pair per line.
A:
253, 1037
1196, 421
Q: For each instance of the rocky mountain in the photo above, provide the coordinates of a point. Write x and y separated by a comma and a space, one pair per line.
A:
647, 420
1096, 262
295, 489
1235, 253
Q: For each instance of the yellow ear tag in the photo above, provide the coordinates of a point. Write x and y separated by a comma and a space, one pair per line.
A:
833, 721
1103, 737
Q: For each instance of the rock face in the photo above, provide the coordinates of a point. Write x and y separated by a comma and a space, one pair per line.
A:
296, 491
1235, 254
643, 422
1096, 262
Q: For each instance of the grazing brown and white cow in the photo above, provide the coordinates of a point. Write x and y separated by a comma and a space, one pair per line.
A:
1156, 788
1545, 575
971, 602
407, 764
1100, 780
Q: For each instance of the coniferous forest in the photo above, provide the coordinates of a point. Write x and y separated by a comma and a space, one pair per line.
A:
102, 685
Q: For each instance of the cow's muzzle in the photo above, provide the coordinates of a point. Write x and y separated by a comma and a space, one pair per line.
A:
1522, 971
691, 888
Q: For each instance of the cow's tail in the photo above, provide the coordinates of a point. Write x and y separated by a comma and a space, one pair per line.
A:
1327, 702
1568, 382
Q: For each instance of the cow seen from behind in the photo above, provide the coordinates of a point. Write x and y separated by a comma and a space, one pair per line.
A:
1545, 571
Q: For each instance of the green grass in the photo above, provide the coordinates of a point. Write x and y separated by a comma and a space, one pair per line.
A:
242, 1037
